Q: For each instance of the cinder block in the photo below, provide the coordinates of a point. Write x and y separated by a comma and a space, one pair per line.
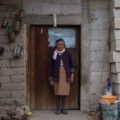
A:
95, 88
98, 67
117, 3
4, 63
13, 86
32, 7
115, 45
4, 39
4, 94
99, 35
116, 88
71, 9
99, 15
10, 101
2, 31
97, 56
6, 101
117, 23
96, 76
18, 78
17, 63
61, 1
116, 13
76, 1
70, 19
115, 78
12, 71
18, 94
7, 55
115, 67
98, 24
117, 34
114, 56
6, 46
96, 45
5, 79
51, 8
99, 4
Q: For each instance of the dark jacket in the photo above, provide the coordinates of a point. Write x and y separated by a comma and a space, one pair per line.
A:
55, 65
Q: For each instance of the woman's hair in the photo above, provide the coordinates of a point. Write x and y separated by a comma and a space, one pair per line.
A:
59, 40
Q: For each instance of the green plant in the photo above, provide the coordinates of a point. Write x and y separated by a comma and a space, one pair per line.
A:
9, 29
18, 17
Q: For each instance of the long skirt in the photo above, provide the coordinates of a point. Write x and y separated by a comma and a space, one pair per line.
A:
62, 86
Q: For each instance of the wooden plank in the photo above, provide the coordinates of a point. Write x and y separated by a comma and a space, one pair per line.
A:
32, 58
28, 66
11, 2
42, 95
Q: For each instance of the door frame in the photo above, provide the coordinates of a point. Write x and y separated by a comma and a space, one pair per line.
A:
30, 91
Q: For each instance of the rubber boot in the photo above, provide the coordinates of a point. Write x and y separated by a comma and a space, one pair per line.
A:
59, 105
63, 110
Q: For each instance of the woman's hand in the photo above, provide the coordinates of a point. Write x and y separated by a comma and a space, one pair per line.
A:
72, 78
51, 82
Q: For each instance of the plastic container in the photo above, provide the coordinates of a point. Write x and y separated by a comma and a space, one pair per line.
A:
119, 108
109, 98
110, 112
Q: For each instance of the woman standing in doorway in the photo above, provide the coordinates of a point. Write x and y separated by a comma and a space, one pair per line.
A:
61, 74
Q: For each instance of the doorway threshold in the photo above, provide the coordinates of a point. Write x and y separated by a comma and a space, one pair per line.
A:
50, 115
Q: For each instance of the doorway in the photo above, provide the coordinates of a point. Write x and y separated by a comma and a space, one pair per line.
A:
41, 44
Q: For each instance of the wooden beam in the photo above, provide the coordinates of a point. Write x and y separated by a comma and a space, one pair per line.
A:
11, 2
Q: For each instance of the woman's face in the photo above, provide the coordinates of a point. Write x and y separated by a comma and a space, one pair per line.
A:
60, 45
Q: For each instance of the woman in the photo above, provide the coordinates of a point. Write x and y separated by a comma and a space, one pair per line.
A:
61, 74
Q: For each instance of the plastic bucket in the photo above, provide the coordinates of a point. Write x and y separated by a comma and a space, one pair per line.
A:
109, 112
119, 109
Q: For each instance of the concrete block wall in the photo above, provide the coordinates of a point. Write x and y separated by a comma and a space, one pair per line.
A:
115, 49
92, 16
48, 7
12, 71
94, 21
99, 65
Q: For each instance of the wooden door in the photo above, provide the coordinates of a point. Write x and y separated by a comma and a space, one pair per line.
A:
41, 94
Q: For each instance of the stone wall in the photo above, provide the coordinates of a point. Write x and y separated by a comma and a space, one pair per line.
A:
12, 71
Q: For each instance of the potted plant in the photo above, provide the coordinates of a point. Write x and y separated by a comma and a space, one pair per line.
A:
11, 34
17, 21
